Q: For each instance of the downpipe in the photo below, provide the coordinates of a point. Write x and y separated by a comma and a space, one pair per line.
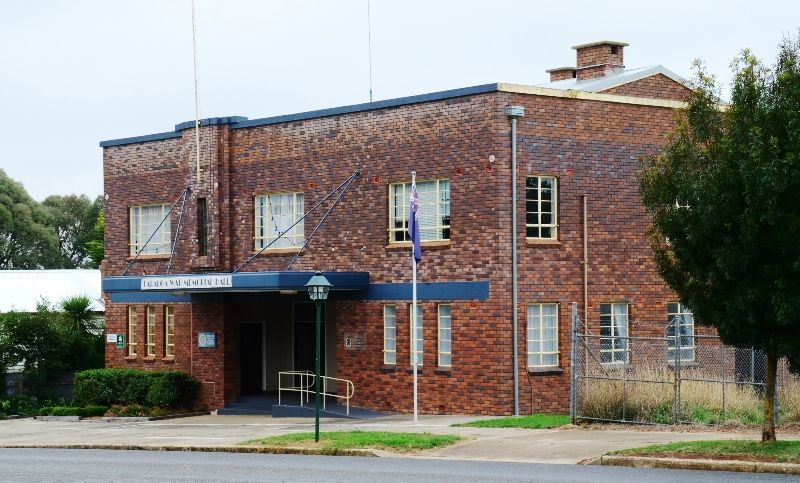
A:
514, 112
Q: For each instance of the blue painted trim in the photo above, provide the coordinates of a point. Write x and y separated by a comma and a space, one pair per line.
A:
426, 291
241, 122
369, 106
140, 139
211, 121
148, 298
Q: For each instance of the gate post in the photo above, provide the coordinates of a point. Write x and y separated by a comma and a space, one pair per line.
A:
573, 396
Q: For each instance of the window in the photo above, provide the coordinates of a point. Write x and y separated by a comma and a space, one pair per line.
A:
144, 222
389, 335
434, 210
613, 332
416, 340
150, 330
202, 227
275, 215
541, 216
131, 331
169, 330
445, 336
678, 315
542, 335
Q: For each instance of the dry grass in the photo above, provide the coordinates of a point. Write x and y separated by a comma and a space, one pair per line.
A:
701, 401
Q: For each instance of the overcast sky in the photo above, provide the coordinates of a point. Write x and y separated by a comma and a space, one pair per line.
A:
73, 73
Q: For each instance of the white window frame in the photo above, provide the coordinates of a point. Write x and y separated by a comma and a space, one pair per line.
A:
169, 330
150, 331
419, 336
131, 330
161, 242
537, 329
267, 229
539, 225
432, 213
679, 313
389, 335
445, 334
617, 355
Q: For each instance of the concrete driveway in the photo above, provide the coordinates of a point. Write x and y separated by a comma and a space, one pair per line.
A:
568, 446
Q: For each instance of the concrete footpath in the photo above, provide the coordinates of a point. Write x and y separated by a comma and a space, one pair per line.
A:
568, 445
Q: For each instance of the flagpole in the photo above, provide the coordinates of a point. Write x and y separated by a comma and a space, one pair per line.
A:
414, 308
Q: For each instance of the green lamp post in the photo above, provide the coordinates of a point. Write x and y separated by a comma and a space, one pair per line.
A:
318, 287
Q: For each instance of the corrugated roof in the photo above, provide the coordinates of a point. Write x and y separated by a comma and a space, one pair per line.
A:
21, 290
600, 84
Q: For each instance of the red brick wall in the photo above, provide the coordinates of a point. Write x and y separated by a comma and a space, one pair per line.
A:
562, 75
656, 86
590, 146
597, 55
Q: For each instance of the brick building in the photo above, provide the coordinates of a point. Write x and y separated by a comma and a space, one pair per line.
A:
579, 239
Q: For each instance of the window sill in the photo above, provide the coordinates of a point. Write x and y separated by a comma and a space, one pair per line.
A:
149, 359
429, 244
540, 371
542, 242
388, 368
168, 359
442, 370
277, 251
132, 357
410, 370
155, 256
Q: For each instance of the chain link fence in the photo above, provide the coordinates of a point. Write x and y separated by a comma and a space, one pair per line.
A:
676, 377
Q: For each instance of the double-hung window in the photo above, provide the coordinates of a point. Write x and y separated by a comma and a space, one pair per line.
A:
542, 335
150, 331
680, 317
433, 210
146, 224
445, 336
614, 332
279, 216
416, 335
131, 330
541, 213
169, 330
389, 335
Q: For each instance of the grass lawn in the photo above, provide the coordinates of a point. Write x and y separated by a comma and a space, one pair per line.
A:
778, 451
532, 421
402, 442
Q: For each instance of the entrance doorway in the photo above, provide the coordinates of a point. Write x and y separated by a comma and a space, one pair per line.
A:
254, 358
305, 336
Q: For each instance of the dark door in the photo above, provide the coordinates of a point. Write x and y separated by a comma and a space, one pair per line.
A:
305, 317
252, 350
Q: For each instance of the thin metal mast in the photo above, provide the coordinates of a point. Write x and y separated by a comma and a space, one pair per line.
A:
369, 47
196, 95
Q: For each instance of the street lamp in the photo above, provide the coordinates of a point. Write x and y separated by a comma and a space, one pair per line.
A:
318, 287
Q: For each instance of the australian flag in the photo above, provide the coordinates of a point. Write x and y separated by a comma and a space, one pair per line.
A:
413, 222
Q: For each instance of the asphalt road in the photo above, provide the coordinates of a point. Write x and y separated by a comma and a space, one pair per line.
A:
38, 465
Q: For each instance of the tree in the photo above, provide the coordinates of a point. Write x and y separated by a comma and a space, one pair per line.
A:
95, 247
26, 240
724, 196
73, 218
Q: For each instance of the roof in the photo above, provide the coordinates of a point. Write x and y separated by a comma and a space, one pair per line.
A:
600, 84
21, 290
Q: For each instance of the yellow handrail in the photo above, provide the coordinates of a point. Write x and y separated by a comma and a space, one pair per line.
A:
306, 387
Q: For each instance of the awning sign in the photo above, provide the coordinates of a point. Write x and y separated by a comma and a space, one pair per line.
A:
192, 282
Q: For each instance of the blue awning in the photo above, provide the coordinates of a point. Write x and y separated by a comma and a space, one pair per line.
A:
232, 282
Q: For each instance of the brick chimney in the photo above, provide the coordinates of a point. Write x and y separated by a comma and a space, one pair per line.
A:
561, 73
598, 59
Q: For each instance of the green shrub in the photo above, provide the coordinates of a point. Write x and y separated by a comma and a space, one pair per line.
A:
126, 411
84, 412
130, 387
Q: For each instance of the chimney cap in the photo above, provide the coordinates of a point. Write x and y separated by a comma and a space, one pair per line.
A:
559, 69
602, 42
